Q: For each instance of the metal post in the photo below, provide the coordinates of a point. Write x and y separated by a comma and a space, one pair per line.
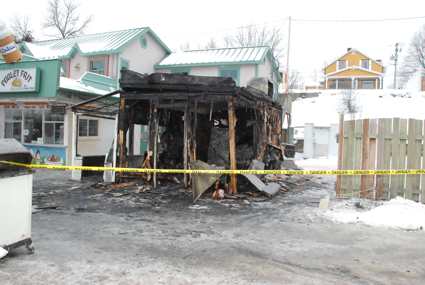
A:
287, 54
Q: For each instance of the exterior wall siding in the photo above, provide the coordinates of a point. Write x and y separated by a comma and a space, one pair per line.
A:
79, 65
99, 145
143, 59
354, 59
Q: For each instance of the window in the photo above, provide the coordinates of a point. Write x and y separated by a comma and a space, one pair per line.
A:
342, 64
124, 64
37, 126
13, 124
33, 126
53, 127
331, 84
230, 72
97, 65
143, 42
88, 128
180, 70
344, 83
65, 68
365, 63
367, 84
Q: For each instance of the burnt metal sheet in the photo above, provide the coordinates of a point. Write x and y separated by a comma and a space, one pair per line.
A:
201, 182
270, 189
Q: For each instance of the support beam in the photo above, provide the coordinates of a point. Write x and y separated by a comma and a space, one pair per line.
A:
121, 133
340, 154
131, 134
155, 143
195, 126
185, 142
232, 144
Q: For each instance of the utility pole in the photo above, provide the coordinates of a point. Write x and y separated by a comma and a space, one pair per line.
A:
394, 57
287, 55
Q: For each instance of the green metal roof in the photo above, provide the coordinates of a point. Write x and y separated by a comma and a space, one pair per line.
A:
99, 81
101, 43
237, 55
219, 56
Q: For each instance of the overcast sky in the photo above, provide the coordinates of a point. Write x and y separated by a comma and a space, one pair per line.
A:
196, 21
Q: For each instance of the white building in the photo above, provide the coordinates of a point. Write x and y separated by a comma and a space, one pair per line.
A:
33, 109
243, 64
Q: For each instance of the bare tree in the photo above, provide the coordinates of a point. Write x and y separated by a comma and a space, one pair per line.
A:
185, 46
349, 103
255, 36
414, 60
295, 80
21, 29
211, 44
64, 17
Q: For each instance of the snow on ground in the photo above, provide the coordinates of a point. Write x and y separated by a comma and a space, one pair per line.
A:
398, 213
322, 163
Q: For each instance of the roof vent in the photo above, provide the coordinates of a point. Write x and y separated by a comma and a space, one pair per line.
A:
349, 49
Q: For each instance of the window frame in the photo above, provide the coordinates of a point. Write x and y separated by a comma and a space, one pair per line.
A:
143, 42
345, 64
102, 58
43, 123
127, 63
87, 131
175, 70
236, 69
368, 63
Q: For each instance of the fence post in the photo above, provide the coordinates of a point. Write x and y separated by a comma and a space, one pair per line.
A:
340, 153
365, 158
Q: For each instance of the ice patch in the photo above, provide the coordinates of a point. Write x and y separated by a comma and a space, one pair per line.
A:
198, 207
398, 213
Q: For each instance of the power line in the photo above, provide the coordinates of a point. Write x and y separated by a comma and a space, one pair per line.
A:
359, 20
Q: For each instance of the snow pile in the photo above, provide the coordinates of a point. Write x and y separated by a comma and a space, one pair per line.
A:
397, 213
322, 163
3, 252
384, 103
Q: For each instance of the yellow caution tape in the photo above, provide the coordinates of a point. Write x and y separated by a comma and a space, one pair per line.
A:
222, 171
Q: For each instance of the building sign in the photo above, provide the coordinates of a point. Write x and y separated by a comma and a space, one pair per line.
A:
19, 80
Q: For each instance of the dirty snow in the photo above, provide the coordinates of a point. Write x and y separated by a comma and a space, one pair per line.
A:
398, 213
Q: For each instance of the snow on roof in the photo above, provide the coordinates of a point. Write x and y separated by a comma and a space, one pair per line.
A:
74, 85
253, 54
324, 110
107, 42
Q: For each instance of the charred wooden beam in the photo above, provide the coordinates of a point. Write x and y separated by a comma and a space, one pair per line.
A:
185, 143
155, 120
122, 133
232, 145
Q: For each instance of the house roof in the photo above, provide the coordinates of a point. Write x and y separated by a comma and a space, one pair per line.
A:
100, 43
78, 86
356, 51
215, 56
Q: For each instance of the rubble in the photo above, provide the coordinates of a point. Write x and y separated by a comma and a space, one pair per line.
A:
194, 120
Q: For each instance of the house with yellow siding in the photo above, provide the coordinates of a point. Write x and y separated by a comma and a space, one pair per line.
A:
354, 70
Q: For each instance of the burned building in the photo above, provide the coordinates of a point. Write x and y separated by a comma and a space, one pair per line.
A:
190, 119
